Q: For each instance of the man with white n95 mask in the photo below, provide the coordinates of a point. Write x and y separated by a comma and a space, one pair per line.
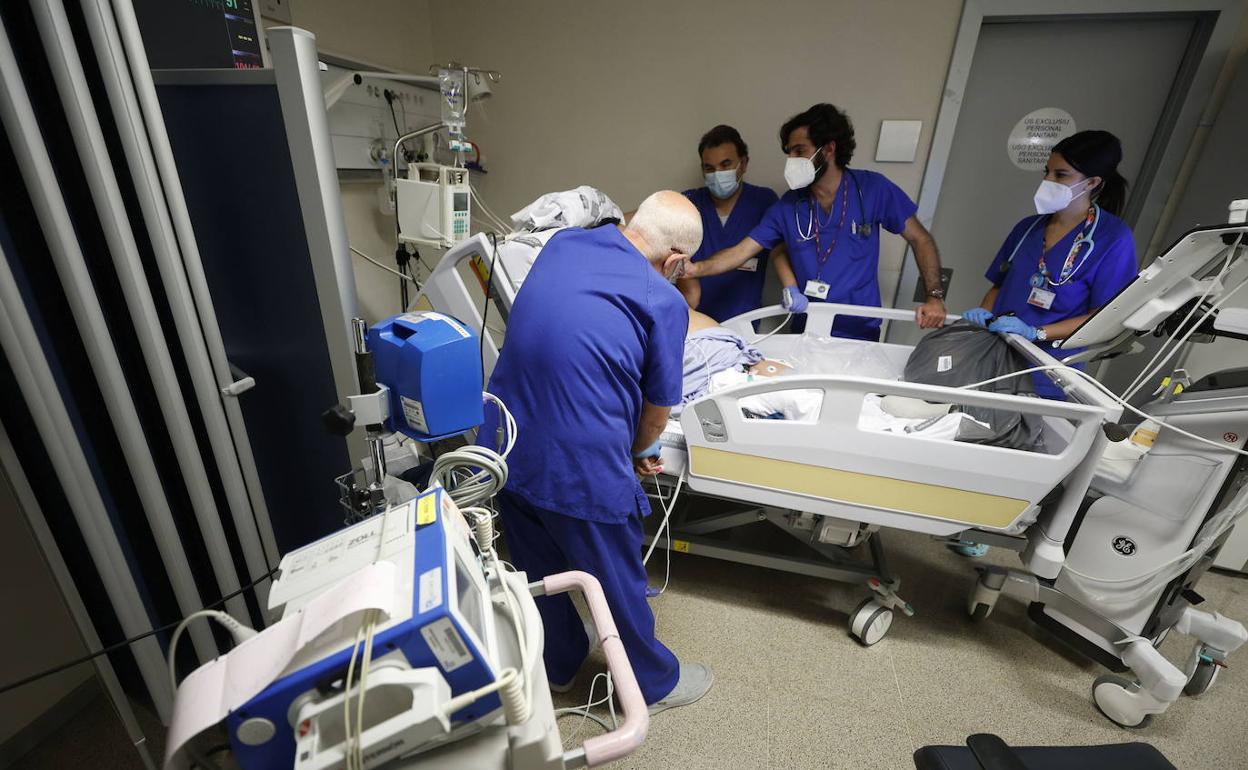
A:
590, 370
829, 223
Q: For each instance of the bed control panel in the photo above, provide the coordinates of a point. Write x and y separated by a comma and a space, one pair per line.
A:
712, 421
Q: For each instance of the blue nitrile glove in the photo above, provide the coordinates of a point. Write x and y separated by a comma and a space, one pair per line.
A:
1009, 324
654, 450
793, 300
977, 316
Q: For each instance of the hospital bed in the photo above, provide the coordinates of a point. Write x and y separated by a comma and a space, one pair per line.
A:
833, 485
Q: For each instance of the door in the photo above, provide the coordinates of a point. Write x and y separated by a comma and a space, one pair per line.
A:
1112, 73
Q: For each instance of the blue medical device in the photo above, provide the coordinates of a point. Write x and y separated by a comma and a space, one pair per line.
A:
432, 365
445, 624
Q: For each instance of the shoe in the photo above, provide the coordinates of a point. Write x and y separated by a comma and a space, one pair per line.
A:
694, 682
592, 635
563, 689
968, 549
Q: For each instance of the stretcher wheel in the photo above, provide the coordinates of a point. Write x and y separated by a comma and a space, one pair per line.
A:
980, 611
1107, 694
1202, 679
869, 622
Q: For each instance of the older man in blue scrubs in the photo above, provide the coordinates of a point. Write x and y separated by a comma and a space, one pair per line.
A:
830, 224
590, 369
730, 208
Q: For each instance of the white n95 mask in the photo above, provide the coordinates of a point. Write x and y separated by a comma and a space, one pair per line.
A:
1052, 197
799, 172
722, 184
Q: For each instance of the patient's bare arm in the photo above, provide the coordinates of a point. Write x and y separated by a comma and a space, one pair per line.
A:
699, 321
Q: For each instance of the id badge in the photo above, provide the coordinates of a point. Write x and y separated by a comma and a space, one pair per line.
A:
816, 289
750, 266
1041, 298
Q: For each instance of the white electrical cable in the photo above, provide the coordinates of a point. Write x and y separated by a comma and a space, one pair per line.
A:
347, 743
584, 712
489, 216
388, 269
369, 634
497, 221
1146, 373
667, 514
788, 317
237, 630
473, 474
1110, 394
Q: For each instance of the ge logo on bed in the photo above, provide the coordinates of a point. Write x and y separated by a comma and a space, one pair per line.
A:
1230, 438
1124, 545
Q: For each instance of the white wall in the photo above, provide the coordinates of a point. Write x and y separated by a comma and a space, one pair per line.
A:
1220, 176
389, 34
617, 96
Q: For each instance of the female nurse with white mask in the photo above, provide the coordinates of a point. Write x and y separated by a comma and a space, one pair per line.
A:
1058, 267
730, 209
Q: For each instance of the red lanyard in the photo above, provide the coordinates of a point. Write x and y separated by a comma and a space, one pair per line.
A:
1069, 264
822, 256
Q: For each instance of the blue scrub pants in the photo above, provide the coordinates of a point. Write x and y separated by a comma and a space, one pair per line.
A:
543, 542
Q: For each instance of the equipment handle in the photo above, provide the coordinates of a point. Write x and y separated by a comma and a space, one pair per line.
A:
625, 739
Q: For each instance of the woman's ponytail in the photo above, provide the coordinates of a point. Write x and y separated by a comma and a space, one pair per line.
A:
1098, 153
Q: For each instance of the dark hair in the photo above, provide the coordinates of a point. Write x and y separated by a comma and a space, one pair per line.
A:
722, 134
1098, 153
825, 123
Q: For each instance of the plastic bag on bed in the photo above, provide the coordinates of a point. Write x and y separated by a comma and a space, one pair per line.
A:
963, 354
584, 206
818, 354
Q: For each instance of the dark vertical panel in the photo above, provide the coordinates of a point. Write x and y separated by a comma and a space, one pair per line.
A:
235, 165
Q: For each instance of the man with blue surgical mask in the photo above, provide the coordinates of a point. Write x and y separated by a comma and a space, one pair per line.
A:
829, 224
730, 208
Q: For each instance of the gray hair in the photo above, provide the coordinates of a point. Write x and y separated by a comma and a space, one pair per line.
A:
668, 221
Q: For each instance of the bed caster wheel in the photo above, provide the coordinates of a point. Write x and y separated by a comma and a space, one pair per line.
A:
980, 611
1114, 698
1202, 678
869, 622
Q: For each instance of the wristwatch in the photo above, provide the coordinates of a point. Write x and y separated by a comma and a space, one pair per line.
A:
936, 294
1041, 334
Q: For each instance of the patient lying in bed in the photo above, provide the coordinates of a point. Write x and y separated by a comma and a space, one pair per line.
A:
717, 358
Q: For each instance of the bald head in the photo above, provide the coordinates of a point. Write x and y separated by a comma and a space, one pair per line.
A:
666, 223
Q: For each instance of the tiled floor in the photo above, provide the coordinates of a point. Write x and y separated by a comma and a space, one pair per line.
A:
794, 691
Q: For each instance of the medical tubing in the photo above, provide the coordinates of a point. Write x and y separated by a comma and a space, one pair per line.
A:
1183, 340
1112, 395
240, 632
667, 514
1145, 372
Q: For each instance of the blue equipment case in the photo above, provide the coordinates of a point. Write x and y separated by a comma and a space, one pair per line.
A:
432, 365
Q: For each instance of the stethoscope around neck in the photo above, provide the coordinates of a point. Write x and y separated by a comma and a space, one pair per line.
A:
1079, 241
863, 230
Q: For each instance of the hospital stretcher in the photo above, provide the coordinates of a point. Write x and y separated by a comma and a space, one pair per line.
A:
833, 485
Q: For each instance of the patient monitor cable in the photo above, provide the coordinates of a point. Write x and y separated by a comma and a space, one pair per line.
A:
1149, 370
1092, 380
127, 642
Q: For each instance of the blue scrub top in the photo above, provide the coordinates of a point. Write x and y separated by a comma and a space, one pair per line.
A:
738, 291
593, 331
852, 270
1110, 265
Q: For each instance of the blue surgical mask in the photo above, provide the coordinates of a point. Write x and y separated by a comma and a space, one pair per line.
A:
722, 184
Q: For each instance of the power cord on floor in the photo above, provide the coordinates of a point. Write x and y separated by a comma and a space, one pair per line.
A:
585, 713
127, 642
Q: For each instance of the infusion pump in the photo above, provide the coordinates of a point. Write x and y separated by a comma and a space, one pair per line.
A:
433, 205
